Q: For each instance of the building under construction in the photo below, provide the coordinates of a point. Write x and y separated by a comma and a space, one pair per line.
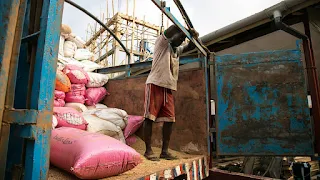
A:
136, 34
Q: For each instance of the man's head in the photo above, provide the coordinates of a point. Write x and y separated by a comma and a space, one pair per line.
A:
175, 35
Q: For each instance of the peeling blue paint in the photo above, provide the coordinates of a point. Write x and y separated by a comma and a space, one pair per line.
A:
37, 163
262, 104
32, 135
9, 10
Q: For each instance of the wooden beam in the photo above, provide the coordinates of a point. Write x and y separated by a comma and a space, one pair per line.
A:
125, 17
140, 22
105, 55
133, 29
97, 34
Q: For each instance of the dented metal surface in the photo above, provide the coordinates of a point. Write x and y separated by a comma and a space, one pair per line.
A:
29, 132
262, 104
29, 115
16, 143
37, 159
9, 29
15, 56
8, 18
20, 116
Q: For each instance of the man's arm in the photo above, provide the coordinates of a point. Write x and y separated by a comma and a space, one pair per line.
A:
190, 46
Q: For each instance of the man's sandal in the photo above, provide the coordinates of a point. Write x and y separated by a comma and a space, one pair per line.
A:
151, 157
168, 157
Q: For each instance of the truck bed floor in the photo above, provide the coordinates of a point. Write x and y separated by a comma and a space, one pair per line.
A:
146, 168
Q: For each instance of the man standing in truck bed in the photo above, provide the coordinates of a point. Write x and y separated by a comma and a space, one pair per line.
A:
162, 80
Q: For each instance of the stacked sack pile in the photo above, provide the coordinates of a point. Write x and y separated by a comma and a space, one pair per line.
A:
88, 139
72, 50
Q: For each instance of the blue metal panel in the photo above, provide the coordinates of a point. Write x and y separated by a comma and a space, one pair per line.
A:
19, 116
10, 32
16, 143
29, 132
262, 104
208, 109
37, 152
8, 18
22, 80
47, 53
29, 141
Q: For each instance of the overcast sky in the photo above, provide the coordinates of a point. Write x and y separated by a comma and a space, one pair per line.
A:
206, 15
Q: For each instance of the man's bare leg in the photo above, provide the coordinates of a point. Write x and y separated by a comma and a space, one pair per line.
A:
166, 134
147, 139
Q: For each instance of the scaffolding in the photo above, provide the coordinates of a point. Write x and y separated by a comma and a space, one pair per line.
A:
136, 34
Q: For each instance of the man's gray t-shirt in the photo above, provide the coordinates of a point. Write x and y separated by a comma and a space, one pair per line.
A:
165, 64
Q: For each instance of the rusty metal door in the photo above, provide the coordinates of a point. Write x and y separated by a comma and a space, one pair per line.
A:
262, 106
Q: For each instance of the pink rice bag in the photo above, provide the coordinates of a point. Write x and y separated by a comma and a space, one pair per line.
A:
69, 117
77, 89
59, 98
134, 123
95, 95
76, 74
59, 94
75, 99
59, 103
131, 140
76, 95
90, 155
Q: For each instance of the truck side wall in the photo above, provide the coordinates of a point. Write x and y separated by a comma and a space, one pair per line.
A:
189, 134
278, 40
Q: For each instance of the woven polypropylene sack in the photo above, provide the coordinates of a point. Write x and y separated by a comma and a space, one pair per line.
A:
80, 43
76, 74
131, 140
118, 117
77, 89
76, 94
90, 66
59, 98
97, 125
90, 155
69, 48
65, 29
75, 98
97, 106
97, 80
77, 106
69, 117
83, 54
61, 44
95, 95
62, 82
59, 103
68, 60
59, 94
134, 123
